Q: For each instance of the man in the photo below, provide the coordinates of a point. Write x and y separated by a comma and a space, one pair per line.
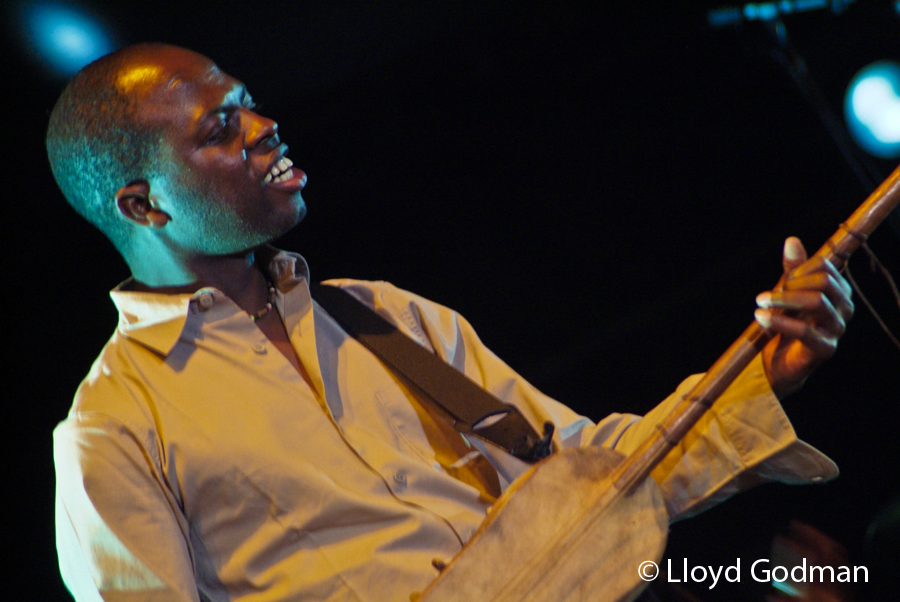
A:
231, 442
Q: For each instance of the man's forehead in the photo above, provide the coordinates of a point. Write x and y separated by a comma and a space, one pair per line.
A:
212, 75
171, 87
161, 75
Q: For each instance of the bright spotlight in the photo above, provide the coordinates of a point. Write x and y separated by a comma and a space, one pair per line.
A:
65, 38
872, 109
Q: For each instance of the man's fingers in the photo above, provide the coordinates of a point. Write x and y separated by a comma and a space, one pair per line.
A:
817, 264
816, 338
793, 255
817, 275
777, 299
807, 307
830, 284
807, 312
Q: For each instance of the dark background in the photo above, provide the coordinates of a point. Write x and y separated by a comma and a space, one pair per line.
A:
602, 191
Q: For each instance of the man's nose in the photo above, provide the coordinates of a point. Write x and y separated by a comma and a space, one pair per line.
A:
261, 133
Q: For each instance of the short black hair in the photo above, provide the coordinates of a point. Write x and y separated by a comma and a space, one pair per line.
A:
96, 143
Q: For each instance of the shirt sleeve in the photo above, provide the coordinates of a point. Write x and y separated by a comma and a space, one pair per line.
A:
744, 439
120, 534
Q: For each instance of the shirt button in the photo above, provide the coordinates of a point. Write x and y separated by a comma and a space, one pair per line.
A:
400, 478
259, 348
205, 301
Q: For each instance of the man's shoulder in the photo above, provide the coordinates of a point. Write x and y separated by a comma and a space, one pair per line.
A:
114, 386
367, 290
110, 412
436, 326
397, 305
382, 294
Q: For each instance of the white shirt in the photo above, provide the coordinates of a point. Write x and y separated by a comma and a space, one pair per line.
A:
196, 457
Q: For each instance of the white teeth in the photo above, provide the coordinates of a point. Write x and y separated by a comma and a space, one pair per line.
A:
281, 171
285, 176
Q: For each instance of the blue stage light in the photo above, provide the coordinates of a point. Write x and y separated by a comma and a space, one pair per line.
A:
872, 109
64, 37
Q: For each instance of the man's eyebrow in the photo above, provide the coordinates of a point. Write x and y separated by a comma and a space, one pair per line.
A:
228, 103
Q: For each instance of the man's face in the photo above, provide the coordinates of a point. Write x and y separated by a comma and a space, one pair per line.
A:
219, 178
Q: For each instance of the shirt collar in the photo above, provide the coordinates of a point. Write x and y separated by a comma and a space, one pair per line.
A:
156, 320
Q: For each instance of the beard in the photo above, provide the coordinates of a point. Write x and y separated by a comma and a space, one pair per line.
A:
215, 226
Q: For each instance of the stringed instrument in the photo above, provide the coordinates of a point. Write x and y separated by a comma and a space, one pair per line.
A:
578, 524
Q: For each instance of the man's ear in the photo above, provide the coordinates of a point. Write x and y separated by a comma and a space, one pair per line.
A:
136, 204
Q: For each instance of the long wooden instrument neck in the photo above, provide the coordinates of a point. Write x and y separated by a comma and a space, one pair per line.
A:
695, 403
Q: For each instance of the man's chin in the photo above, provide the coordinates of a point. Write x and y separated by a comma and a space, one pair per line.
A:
297, 217
294, 215
301, 212
289, 224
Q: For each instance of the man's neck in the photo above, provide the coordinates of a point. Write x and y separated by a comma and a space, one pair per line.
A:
237, 276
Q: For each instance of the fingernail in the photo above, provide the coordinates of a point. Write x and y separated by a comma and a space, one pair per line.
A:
792, 248
764, 317
764, 300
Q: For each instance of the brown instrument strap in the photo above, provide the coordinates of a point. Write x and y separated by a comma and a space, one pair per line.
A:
465, 402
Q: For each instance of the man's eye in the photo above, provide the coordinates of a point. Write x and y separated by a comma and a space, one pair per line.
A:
219, 133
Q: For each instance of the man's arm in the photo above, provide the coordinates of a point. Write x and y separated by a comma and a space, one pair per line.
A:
120, 533
745, 439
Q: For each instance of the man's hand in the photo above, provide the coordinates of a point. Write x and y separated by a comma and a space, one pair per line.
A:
816, 303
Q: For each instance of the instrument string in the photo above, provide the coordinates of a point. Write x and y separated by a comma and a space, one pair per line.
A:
875, 263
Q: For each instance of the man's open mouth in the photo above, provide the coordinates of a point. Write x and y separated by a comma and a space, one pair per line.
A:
280, 172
